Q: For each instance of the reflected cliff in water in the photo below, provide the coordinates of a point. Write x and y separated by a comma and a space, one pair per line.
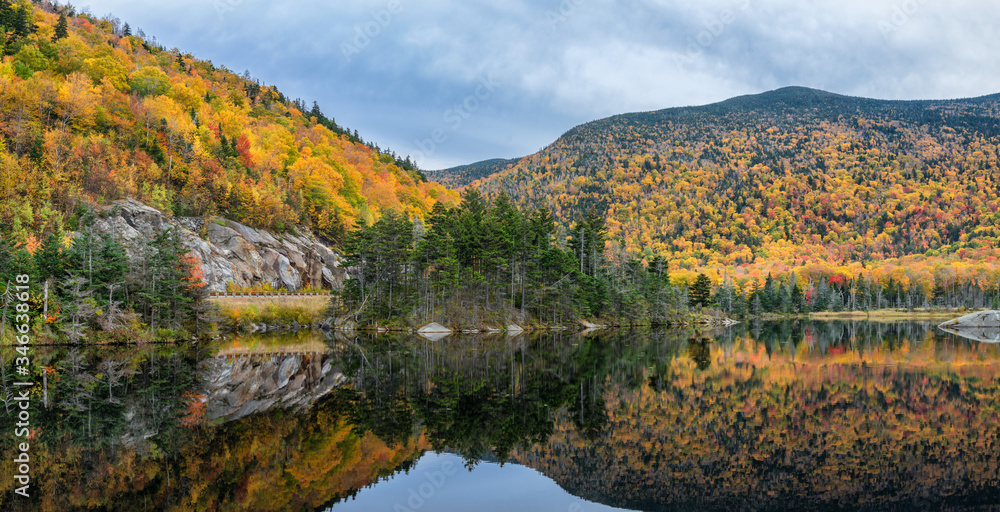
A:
763, 415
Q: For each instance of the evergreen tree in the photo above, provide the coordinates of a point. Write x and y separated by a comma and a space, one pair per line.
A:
836, 300
49, 258
587, 242
821, 296
753, 300
162, 282
14, 260
701, 291
78, 308
317, 113
127, 30
783, 299
469, 233
796, 297
62, 28
740, 306
380, 287
769, 297
23, 26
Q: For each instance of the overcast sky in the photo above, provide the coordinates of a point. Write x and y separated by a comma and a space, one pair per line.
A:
506, 78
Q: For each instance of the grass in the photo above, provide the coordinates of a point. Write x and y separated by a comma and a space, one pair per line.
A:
237, 312
889, 314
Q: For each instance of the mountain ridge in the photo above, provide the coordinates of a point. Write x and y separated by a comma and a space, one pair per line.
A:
462, 175
776, 163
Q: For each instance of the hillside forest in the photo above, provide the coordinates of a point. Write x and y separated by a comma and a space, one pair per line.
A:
790, 182
91, 112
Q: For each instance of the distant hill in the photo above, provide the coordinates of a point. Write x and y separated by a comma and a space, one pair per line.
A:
93, 113
458, 177
794, 175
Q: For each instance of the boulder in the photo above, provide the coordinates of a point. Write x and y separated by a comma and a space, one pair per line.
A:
434, 331
433, 327
983, 326
975, 321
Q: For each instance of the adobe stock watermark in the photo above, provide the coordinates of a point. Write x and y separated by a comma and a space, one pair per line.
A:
454, 117
566, 9
22, 363
712, 28
366, 32
224, 7
901, 14
419, 495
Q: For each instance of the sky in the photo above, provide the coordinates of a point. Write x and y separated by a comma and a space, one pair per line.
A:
452, 82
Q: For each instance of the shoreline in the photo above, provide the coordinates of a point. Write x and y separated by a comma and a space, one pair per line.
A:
875, 315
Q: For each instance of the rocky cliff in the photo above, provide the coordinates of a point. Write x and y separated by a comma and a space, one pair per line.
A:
230, 252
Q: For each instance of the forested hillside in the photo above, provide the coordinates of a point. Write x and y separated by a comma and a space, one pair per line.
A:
791, 176
90, 112
462, 175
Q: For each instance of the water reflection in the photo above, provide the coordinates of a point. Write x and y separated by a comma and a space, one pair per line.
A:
979, 334
764, 415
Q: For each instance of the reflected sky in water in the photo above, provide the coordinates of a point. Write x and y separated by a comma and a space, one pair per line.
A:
442, 483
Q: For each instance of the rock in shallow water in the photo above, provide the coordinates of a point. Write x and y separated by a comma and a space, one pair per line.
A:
983, 326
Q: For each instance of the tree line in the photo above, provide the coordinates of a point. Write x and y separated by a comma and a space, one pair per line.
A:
788, 294
484, 264
85, 283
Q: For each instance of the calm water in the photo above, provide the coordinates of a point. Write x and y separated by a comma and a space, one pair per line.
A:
792, 415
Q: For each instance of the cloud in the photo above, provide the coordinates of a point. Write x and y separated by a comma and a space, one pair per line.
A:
564, 62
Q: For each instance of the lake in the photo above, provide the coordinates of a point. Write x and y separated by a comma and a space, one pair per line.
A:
761, 416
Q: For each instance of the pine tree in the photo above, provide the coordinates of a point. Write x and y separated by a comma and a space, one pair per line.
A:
769, 297
753, 298
127, 30
62, 28
740, 301
162, 282
587, 242
701, 291
78, 308
49, 259
23, 26
798, 299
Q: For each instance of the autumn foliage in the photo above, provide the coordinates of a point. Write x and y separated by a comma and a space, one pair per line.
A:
98, 115
782, 181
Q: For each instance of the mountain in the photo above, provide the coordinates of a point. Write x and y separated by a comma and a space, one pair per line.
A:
792, 175
90, 113
463, 175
